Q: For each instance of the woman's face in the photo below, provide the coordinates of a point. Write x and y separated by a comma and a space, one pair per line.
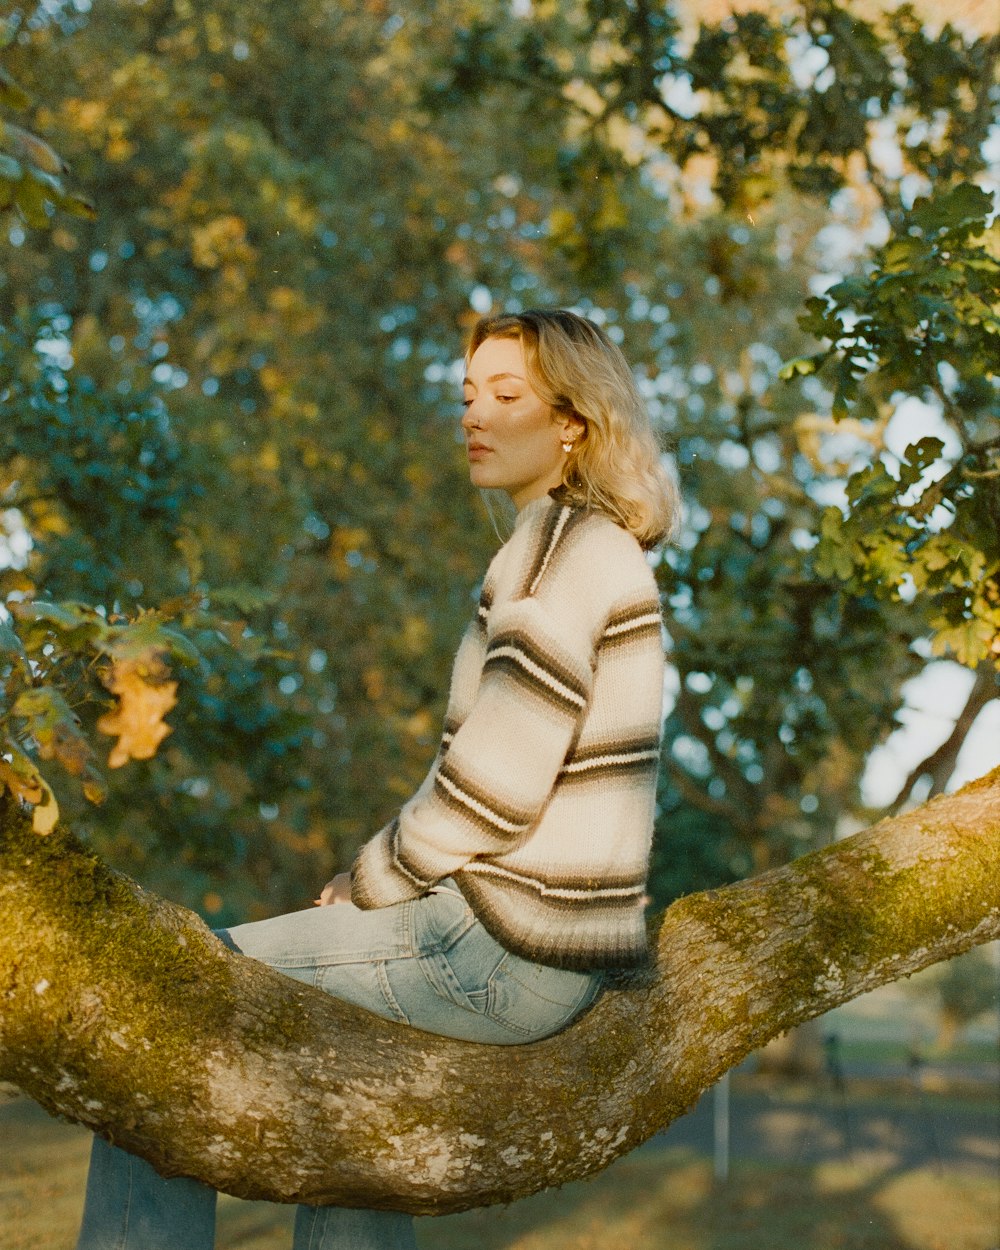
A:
514, 438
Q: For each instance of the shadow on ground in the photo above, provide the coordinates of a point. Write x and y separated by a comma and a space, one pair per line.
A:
810, 1170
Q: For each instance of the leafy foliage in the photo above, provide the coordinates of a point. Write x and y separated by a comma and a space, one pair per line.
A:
925, 317
227, 409
31, 172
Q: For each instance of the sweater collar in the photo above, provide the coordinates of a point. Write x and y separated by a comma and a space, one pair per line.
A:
533, 509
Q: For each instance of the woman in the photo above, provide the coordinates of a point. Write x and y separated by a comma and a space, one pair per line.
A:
490, 907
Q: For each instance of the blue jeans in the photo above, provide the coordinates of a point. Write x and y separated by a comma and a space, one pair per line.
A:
428, 963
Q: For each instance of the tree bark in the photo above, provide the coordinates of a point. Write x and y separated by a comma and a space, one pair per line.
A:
122, 1011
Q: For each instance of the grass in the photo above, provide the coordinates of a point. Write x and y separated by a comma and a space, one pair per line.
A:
658, 1198
668, 1200
887, 1051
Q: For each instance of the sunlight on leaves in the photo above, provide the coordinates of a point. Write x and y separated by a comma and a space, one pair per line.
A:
145, 696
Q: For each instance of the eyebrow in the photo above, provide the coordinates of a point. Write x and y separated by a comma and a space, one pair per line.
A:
494, 377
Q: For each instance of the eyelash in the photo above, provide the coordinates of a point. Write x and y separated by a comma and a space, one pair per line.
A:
504, 399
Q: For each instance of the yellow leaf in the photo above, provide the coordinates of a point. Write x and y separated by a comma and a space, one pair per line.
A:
144, 698
94, 790
46, 814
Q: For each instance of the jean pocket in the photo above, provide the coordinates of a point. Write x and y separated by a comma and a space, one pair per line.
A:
439, 920
537, 1000
462, 972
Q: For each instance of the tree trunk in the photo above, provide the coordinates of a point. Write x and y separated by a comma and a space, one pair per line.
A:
123, 1012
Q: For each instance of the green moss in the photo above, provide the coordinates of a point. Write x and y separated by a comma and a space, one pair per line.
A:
864, 913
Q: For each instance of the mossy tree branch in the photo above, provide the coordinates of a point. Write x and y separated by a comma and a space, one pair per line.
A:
122, 1012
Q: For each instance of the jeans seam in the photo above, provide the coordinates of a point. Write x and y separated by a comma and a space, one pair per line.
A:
311, 1217
387, 994
123, 1244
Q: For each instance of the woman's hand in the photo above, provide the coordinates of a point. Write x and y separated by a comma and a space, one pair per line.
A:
336, 891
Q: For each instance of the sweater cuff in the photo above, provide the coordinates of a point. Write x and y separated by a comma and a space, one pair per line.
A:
377, 880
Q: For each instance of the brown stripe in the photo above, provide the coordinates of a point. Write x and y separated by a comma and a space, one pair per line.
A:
627, 626
533, 887
483, 609
565, 948
399, 859
516, 652
613, 760
551, 543
648, 742
479, 805
542, 547
623, 615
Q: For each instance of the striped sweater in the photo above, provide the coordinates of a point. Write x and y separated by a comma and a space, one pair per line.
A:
540, 802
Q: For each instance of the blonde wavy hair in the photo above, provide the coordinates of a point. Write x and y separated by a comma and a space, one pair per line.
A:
616, 463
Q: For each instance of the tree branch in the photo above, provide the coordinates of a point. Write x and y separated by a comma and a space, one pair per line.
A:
743, 801
699, 797
122, 1012
940, 764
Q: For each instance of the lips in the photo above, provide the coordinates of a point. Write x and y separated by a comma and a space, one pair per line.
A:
476, 451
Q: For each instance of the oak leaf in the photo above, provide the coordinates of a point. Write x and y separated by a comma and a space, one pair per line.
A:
144, 698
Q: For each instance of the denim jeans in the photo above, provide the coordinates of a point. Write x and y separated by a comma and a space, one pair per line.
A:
428, 963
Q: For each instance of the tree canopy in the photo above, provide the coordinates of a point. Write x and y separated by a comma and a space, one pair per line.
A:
227, 446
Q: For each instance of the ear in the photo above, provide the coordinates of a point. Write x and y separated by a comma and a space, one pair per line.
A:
571, 427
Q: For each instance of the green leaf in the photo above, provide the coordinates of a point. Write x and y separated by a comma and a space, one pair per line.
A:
244, 598
11, 93
77, 625
800, 365
916, 460
969, 642
32, 198
139, 638
832, 555
34, 152
78, 206
961, 206
849, 292
66, 616
11, 644
55, 727
899, 254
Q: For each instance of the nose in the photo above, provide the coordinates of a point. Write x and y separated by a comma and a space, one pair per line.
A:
470, 418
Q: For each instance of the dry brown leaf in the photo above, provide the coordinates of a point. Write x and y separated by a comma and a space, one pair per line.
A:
27, 788
144, 698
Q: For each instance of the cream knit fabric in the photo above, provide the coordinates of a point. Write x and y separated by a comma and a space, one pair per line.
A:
540, 802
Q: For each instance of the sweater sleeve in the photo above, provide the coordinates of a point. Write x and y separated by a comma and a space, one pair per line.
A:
492, 783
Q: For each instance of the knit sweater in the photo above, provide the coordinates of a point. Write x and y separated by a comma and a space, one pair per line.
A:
540, 802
